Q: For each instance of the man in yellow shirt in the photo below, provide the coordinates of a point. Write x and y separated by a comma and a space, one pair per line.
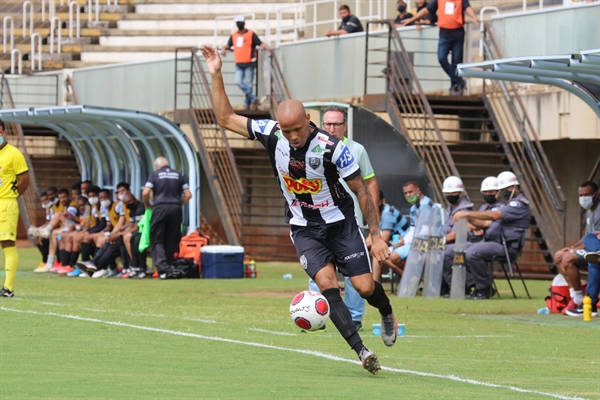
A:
14, 180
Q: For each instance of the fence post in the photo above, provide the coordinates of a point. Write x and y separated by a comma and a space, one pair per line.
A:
39, 57
12, 61
25, 4
55, 23
12, 33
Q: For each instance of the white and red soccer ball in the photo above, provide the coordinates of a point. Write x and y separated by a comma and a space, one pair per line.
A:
309, 310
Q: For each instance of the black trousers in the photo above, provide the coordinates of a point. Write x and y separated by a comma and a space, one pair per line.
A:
138, 260
107, 254
44, 248
165, 234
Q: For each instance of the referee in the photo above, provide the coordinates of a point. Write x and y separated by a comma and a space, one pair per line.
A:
14, 180
170, 190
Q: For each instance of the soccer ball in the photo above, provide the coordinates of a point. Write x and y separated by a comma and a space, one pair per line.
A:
309, 310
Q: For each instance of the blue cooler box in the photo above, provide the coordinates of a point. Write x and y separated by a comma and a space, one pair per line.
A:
222, 262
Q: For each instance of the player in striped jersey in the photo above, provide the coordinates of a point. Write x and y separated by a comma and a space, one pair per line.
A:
308, 163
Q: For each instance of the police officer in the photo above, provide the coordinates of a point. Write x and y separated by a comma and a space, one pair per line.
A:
511, 220
170, 190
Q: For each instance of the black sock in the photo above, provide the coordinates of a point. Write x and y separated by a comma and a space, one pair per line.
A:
74, 257
86, 251
379, 300
341, 318
64, 257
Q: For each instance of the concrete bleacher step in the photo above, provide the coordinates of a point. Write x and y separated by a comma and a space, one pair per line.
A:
222, 8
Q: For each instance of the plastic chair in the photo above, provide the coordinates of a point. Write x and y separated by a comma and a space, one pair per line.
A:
507, 261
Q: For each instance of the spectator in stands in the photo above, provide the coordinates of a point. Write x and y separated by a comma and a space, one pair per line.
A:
511, 220
85, 187
402, 13
570, 259
451, 21
244, 43
350, 23
429, 19
392, 223
170, 191
335, 122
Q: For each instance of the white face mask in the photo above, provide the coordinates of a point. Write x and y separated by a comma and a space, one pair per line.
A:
55, 201
93, 200
46, 206
121, 197
586, 202
105, 203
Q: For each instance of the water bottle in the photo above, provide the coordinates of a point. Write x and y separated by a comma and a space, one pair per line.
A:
543, 311
587, 309
395, 238
58, 237
287, 276
252, 269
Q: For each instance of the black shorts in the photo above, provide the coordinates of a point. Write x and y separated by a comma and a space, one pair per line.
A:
340, 242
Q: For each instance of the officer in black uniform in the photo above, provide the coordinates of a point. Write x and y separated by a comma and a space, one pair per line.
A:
511, 220
170, 190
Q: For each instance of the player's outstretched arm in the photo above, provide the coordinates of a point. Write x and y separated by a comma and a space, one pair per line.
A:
227, 118
379, 249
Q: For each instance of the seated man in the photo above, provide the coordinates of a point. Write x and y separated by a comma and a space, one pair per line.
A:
511, 220
489, 189
350, 23
76, 190
42, 244
591, 242
110, 218
570, 259
67, 238
85, 187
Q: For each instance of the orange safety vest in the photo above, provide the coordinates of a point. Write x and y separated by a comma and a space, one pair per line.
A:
242, 47
450, 14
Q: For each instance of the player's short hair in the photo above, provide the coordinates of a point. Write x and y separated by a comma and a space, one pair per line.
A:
43, 194
94, 189
52, 189
76, 185
105, 191
123, 184
84, 199
591, 184
411, 182
336, 109
63, 191
344, 7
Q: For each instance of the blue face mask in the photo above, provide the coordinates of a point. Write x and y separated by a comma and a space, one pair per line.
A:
1, 140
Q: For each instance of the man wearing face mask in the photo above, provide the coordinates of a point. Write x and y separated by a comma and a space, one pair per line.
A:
244, 43
416, 198
512, 219
350, 23
570, 259
402, 13
489, 190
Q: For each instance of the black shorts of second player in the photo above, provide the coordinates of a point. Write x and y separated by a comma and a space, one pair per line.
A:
340, 242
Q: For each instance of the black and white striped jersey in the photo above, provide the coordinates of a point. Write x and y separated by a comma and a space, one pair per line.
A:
309, 177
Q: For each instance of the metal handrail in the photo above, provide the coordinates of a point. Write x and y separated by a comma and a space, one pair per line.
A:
55, 23
527, 157
12, 33
278, 90
39, 57
97, 10
409, 108
13, 52
25, 4
77, 19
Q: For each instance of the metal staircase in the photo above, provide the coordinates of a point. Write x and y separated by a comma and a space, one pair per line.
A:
469, 136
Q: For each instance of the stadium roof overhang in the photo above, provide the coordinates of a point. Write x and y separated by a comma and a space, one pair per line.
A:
113, 145
576, 73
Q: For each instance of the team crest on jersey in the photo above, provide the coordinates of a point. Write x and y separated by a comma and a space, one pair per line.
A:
302, 185
314, 162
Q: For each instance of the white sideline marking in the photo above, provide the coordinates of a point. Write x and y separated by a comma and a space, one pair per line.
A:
273, 332
300, 351
52, 304
206, 321
461, 337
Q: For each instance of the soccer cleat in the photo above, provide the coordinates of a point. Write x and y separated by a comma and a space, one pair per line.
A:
4, 292
86, 266
84, 274
593, 257
568, 307
56, 268
64, 270
75, 272
101, 273
369, 360
42, 268
389, 329
113, 273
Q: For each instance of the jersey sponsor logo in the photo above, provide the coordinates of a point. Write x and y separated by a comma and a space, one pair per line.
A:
302, 185
297, 164
278, 134
346, 159
319, 150
261, 125
283, 152
314, 162
354, 255
298, 203
323, 138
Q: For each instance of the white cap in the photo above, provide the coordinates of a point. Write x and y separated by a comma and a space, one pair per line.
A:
453, 184
239, 18
489, 183
506, 179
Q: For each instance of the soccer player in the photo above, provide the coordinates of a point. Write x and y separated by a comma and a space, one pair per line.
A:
14, 180
324, 230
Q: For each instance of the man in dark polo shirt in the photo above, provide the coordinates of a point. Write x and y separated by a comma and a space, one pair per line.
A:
170, 190
350, 23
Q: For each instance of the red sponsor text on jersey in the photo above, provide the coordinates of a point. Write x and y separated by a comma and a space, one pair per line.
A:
302, 185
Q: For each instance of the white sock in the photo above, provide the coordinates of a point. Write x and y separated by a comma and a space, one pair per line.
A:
50, 262
578, 297
571, 292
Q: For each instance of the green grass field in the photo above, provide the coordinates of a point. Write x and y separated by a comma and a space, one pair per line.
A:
228, 339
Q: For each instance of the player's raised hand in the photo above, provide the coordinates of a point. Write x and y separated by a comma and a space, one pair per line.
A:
213, 60
379, 249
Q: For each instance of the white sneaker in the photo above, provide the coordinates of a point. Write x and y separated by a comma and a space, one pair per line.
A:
43, 233
84, 274
101, 273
